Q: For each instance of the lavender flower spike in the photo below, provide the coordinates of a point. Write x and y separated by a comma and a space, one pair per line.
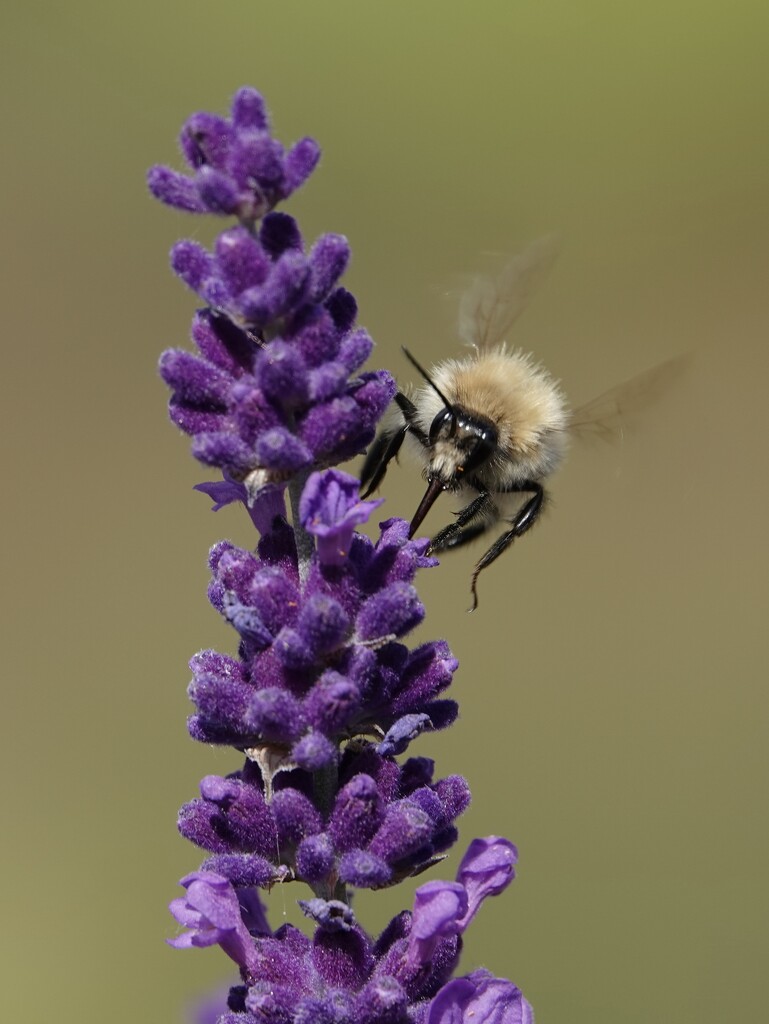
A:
322, 695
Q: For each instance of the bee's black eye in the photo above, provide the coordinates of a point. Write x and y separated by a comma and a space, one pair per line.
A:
445, 418
484, 447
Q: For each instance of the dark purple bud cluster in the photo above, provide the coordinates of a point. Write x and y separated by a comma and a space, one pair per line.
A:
323, 695
263, 412
238, 168
322, 685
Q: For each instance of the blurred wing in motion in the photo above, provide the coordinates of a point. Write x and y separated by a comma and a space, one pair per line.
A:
489, 307
609, 415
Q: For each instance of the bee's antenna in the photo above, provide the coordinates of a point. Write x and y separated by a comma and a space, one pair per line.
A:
426, 376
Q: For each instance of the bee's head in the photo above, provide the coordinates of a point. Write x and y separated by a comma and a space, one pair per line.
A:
459, 442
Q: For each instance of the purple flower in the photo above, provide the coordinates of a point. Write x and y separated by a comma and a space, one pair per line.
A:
212, 913
322, 695
479, 998
330, 509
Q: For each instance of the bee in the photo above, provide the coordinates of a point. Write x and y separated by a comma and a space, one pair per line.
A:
492, 426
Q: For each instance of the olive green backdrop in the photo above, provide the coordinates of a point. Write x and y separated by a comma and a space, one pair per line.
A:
612, 683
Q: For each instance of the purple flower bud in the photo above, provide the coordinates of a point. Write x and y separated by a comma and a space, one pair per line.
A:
280, 233
365, 870
314, 751
328, 261
241, 260
281, 374
244, 869
358, 813
295, 817
355, 349
300, 162
332, 702
279, 450
391, 612
405, 830
218, 191
192, 263
315, 858
275, 715
175, 189
249, 110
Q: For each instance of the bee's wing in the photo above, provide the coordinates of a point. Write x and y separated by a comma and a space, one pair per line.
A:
489, 307
611, 413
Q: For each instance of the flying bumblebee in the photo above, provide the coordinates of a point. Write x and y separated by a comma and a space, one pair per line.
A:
491, 426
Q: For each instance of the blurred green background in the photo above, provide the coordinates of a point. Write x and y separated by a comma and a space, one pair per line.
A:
612, 683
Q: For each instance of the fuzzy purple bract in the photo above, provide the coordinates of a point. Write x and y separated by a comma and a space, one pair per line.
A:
324, 694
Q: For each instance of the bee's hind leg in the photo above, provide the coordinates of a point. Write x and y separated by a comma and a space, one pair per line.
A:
523, 520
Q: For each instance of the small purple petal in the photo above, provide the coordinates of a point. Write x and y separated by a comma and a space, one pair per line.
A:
401, 733
212, 912
486, 869
438, 909
223, 492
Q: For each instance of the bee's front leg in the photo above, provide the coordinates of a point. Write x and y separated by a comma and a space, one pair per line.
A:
463, 529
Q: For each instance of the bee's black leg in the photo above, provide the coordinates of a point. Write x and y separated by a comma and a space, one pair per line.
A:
523, 520
385, 448
409, 411
459, 532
